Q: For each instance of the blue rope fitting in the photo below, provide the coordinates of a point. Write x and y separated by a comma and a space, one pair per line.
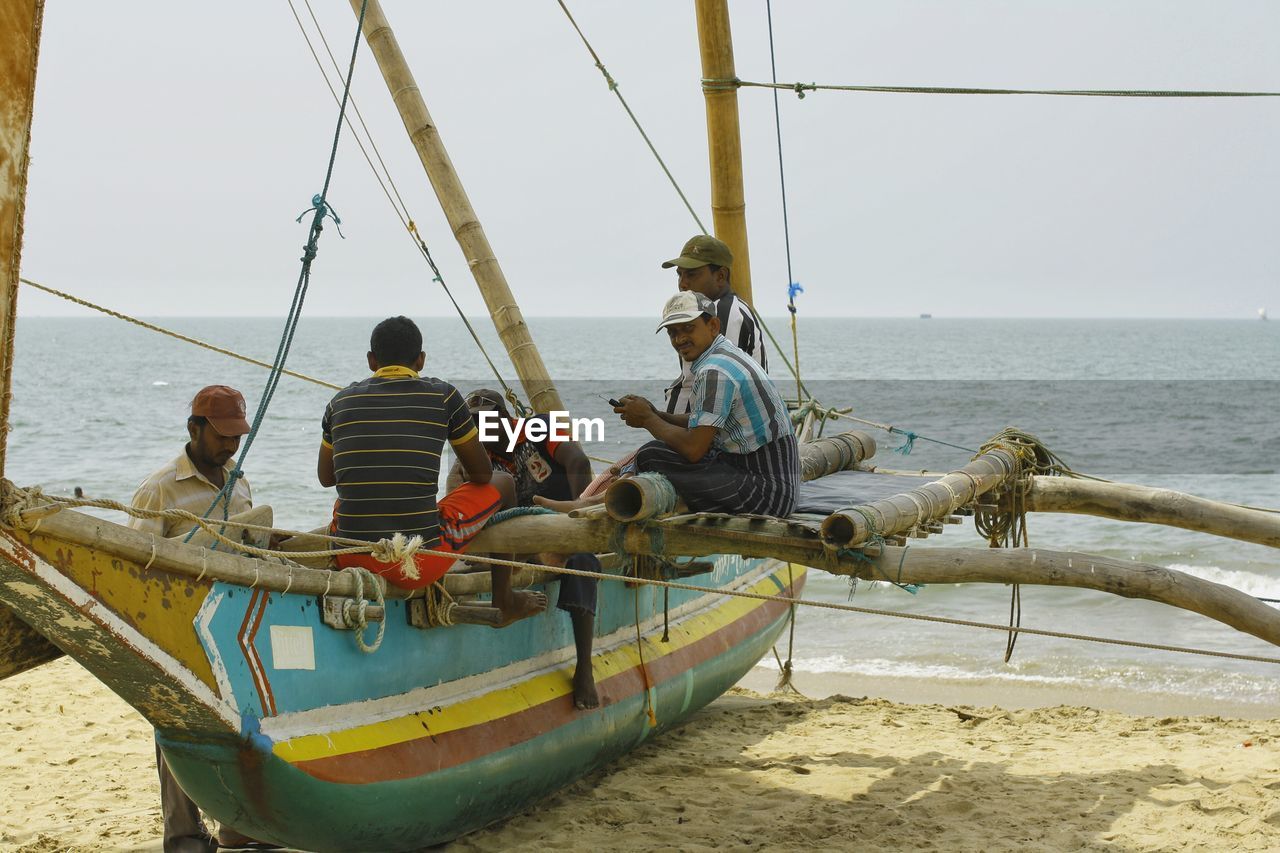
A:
906, 447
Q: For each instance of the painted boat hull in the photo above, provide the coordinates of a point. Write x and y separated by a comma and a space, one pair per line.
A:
279, 725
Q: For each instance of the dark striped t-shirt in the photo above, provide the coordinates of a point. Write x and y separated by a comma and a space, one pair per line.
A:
387, 433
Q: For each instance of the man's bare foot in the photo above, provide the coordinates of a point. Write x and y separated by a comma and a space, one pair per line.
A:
584, 689
568, 506
520, 605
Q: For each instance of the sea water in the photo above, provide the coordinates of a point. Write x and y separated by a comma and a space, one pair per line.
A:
1187, 405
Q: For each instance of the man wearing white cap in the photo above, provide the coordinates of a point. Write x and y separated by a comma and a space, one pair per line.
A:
704, 266
735, 451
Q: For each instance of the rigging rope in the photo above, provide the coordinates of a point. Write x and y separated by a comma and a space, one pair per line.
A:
793, 287
170, 333
320, 209
397, 202
613, 87
717, 84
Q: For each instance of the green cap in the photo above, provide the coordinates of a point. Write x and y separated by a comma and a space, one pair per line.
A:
700, 251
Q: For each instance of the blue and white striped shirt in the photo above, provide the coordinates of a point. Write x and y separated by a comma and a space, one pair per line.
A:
732, 392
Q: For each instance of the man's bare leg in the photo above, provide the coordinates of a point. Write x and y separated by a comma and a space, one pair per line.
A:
513, 605
584, 628
584, 681
568, 506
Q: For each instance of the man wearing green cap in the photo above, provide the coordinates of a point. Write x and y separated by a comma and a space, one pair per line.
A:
704, 267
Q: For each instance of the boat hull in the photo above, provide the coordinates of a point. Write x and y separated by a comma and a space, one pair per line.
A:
279, 725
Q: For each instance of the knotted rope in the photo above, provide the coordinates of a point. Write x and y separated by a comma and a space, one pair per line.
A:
399, 549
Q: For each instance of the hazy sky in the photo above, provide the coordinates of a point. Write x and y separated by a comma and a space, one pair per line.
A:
174, 146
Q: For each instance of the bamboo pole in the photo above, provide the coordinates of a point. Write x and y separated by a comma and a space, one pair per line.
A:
849, 528
489, 277
724, 139
1127, 502
19, 48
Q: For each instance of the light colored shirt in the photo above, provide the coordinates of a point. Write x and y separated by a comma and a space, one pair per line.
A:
733, 393
179, 485
741, 327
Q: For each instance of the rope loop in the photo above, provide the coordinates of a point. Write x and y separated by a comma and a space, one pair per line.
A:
355, 614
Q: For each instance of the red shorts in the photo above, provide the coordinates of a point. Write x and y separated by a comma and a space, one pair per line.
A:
462, 513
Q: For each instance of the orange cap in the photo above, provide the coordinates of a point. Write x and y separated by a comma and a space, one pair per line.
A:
223, 407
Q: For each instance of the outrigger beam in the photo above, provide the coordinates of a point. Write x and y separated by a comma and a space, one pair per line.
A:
699, 537
1127, 502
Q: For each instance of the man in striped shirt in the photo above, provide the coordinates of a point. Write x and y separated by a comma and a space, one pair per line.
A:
735, 451
704, 266
381, 446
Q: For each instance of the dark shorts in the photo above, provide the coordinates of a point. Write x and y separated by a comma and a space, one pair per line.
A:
578, 594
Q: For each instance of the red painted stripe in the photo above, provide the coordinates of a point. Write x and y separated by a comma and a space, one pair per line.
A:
248, 631
430, 752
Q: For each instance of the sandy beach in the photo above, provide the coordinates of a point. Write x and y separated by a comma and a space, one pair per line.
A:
752, 770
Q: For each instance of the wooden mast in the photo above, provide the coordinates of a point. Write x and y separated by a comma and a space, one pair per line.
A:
21, 647
457, 209
724, 139
20, 34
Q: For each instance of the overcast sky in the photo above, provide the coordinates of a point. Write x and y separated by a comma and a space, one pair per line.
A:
174, 146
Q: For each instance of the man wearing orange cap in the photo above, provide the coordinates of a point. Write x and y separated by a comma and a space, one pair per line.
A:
190, 482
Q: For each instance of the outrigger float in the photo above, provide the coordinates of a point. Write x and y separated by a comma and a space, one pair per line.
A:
323, 710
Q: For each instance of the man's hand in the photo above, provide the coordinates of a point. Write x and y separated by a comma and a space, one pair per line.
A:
636, 411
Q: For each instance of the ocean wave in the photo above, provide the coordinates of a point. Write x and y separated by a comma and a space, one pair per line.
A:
1251, 583
1059, 672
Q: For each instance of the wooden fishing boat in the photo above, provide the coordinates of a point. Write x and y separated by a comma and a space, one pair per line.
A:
321, 710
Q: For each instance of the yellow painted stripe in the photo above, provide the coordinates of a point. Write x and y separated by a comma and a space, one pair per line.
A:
525, 694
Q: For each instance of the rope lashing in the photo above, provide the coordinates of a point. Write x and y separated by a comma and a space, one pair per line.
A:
401, 550
665, 494
355, 614
720, 84
440, 605
320, 208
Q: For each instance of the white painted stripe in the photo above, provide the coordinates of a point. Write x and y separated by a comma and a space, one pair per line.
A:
130, 637
203, 618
